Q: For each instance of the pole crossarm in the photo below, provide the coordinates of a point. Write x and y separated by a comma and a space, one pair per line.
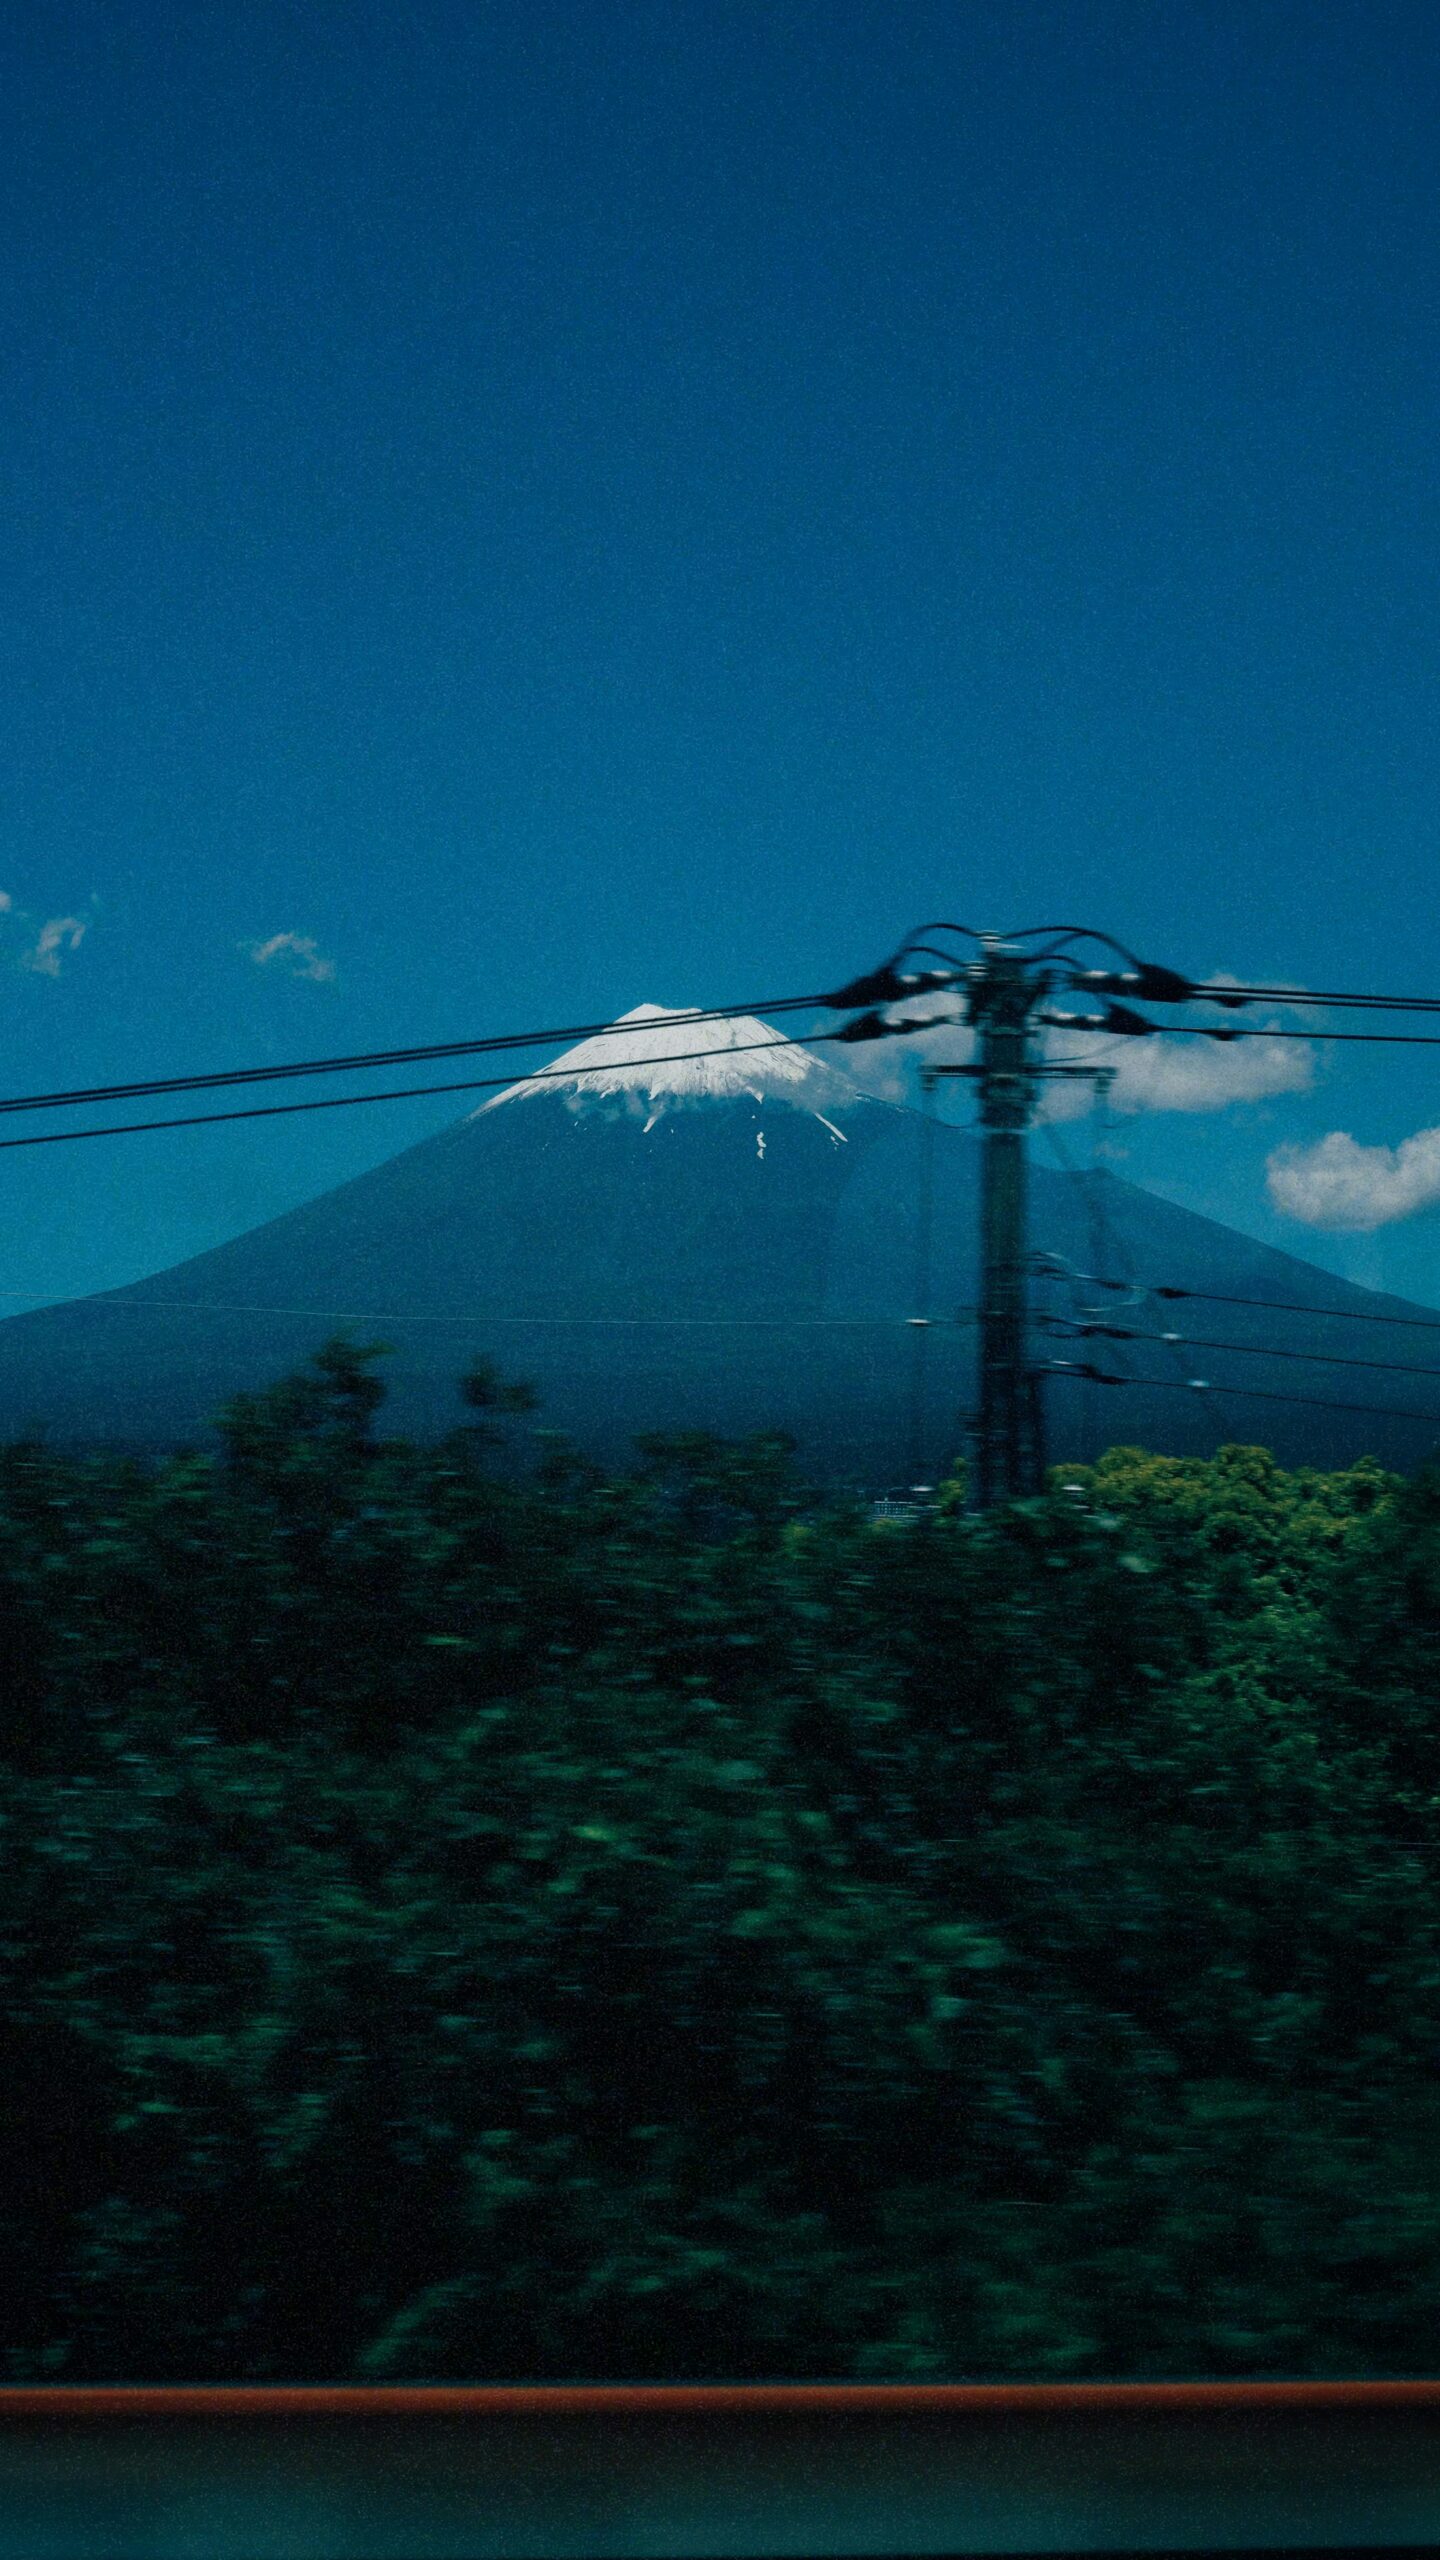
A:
1039, 1067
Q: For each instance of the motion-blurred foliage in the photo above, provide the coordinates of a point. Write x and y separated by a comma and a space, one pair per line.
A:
537, 1926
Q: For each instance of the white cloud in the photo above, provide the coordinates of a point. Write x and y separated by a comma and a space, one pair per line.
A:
1178, 1075
1339, 1184
62, 932
1065, 1098
297, 950
1171, 1075
1183, 1074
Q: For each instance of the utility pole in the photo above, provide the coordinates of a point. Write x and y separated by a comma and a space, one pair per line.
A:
1008, 1440
1003, 989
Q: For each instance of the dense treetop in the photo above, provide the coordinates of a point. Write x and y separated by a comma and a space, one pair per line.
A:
480, 1926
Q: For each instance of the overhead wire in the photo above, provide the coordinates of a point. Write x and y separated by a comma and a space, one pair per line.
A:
1273, 1395
1215, 989
691, 1018
1288, 1306
1258, 1350
1279, 1306
1267, 1351
350, 1315
359, 1062
1269, 1395
920, 1319
1098, 1224
505, 1082
1219, 1400
1068, 933
1230, 1031
402, 1093
1099, 1230
656, 1022
352, 1062
1095, 1214
963, 1317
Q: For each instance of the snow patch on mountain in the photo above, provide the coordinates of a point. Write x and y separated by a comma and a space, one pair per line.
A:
661, 1058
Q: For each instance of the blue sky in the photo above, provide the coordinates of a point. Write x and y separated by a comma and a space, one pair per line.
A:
557, 506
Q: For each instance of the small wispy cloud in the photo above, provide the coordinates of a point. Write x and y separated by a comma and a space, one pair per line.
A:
1352, 1189
45, 942
296, 953
60, 933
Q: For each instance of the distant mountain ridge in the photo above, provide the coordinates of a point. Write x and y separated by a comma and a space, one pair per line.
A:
680, 1227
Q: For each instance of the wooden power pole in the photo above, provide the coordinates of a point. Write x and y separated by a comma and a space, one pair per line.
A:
1009, 1451
1009, 1428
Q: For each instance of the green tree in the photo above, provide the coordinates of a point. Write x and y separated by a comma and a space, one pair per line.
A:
563, 1922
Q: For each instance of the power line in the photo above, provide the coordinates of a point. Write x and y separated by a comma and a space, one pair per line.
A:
1292, 1306
780, 1324
1214, 991
1286, 1306
408, 1057
404, 1093
1099, 1226
1273, 1395
1256, 1351
1228, 992
362, 1061
350, 1315
483, 1317
1227, 1031
920, 1300
1217, 989
1269, 1395
1099, 1243
1236, 1031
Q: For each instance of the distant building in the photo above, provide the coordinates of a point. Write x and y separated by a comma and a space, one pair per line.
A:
914, 1502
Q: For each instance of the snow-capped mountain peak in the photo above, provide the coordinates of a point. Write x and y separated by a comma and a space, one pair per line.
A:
660, 1058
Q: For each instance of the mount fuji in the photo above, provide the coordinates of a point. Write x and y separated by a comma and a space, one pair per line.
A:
686, 1224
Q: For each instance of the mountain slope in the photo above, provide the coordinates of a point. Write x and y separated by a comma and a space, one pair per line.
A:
724, 1242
